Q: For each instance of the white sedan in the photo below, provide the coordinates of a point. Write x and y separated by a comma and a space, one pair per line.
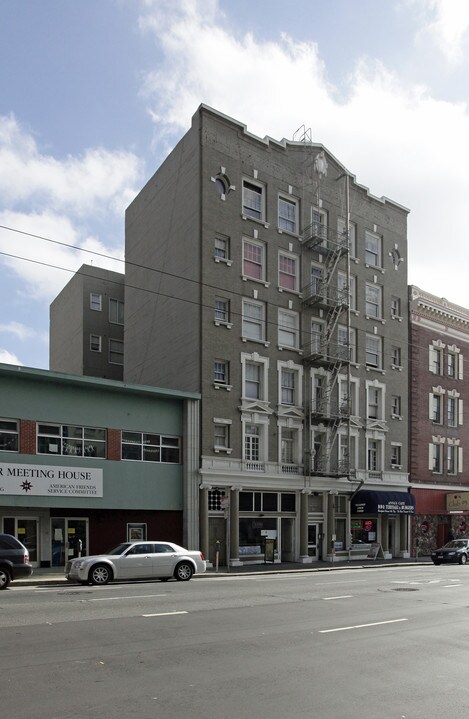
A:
137, 560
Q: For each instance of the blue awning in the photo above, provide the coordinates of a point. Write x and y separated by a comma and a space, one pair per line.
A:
367, 501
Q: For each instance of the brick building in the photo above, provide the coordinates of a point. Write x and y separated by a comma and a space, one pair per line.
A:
439, 442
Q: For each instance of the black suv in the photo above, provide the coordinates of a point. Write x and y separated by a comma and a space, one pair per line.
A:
14, 560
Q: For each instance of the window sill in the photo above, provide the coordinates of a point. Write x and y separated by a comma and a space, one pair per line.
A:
375, 319
396, 317
245, 278
259, 342
225, 450
355, 260
221, 385
291, 292
290, 349
223, 260
219, 323
254, 219
375, 369
396, 366
376, 268
290, 233
397, 416
396, 466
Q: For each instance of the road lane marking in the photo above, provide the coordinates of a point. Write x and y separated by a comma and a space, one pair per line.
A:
163, 614
343, 596
361, 626
448, 586
130, 596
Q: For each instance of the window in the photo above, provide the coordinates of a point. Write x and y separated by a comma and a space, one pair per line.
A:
451, 455
396, 452
9, 435
319, 223
375, 403
372, 249
436, 455
395, 406
253, 260
341, 231
287, 215
253, 320
435, 360
395, 307
146, 447
253, 200
221, 436
373, 304
452, 416
436, 401
71, 440
318, 392
253, 384
343, 291
220, 372
95, 343
288, 379
316, 281
116, 352
373, 455
222, 311
346, 348
116, 312
252, 443
396, 360
287, 446
373, 351
455, 365
96, 302
222, 248
288, 329
347, 459
317, 338
288, 272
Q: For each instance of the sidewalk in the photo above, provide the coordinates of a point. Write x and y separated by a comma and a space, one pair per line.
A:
52, 576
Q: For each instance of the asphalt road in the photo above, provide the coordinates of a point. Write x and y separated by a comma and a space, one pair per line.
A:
382, 643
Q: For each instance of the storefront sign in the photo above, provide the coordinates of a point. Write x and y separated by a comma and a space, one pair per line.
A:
457, 502
371, 502
45, 481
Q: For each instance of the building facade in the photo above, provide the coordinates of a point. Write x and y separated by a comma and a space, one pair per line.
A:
439, 340
87, 463
86, 334
262, 275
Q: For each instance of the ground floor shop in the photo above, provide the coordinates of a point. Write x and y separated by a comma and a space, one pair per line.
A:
441, 515
52, 537
240, 526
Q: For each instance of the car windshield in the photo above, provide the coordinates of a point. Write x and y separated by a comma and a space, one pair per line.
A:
120, 549
455, 544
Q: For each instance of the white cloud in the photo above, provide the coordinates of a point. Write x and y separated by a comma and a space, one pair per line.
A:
396, 137
43, 267
7, 357
99, 181
446, 24
19, 330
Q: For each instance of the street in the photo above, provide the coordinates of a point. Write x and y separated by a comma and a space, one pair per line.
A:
382, 643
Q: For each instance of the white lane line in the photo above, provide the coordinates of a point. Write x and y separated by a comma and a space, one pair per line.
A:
448, 586
135, 596
343, 596
163, 614
361, 626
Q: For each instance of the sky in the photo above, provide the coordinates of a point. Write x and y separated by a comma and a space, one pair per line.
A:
93, 96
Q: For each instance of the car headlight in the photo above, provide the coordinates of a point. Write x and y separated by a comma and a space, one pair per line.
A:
451, 554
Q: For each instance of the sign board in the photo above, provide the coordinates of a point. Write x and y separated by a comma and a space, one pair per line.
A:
269, 533
269, 550
376, 550
457, 502
43, 480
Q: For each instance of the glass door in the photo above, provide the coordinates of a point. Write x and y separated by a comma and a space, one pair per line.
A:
27, 531
313, 541
69, 539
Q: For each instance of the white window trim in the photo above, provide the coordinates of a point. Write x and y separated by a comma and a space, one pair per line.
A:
298, 369
262, 187
263, 321
290, 255
293, 201
264, 364
296, 315
374, 384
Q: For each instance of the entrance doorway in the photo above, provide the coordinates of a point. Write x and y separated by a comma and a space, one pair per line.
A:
27, 531
69, 537
314, 534
287, 539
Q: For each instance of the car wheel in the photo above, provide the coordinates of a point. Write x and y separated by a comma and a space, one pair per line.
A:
436, 563
183, 572
4, 579
463, 559
100, 574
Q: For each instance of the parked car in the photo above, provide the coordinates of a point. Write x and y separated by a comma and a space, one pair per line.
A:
137, 560
455, 551
14, 560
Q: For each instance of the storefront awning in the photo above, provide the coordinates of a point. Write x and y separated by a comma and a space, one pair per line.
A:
367, 501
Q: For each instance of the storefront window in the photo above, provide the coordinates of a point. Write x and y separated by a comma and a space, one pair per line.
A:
251, 540
363, 530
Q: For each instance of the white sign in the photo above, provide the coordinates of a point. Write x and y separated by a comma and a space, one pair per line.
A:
45, 481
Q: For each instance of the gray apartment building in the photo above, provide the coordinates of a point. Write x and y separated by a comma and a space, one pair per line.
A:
260, 274
439, 331
87, 325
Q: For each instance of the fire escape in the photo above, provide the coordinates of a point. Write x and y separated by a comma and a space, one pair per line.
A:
327, 350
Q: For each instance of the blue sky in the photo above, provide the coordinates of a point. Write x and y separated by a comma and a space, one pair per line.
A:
93, 95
